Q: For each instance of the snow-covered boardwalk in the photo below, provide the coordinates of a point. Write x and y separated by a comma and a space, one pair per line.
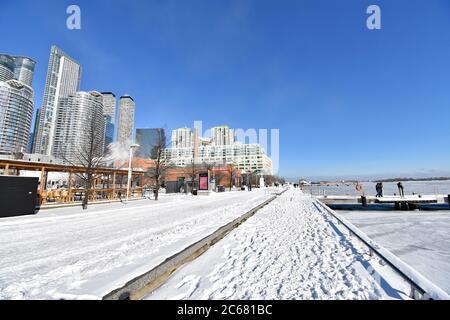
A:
70, 254
289, 250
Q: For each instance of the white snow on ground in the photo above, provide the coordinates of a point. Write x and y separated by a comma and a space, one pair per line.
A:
419, 238
71, 254
289, 250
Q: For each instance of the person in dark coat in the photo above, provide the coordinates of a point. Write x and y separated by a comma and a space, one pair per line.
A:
400, 189
381, 190
377, 187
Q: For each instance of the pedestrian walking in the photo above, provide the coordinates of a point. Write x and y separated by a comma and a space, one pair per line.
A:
377, 188
401, 189
380, 194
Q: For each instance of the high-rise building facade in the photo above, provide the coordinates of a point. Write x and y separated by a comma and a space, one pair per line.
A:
16, 113
80, 120
63, 79
109, 105
24, 70
182, 138
222, 136
17, 68
109, 132
246, 157
148, 140
219, 149
7, 66
33, 134
125, 121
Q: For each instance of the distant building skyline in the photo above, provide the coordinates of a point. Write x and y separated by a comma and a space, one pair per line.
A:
330, 87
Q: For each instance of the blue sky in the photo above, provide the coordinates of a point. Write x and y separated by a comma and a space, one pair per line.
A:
347, 100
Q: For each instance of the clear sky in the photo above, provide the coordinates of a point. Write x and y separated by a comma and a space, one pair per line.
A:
347, 100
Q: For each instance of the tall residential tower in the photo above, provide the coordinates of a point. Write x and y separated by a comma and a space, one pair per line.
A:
16, 103
80, 122
63, 79
125, 121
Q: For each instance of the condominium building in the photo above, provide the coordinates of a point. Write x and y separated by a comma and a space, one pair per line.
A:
24, 70
148, 140
80, 124
63, 79
7, 66
16, 113
246, 157
182, 138
17, 68
109, 105
220, 148
222, 135
125, 121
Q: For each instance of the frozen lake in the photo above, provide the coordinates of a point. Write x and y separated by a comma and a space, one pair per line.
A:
417, 187
419, 238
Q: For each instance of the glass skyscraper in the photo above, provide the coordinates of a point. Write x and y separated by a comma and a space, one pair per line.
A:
109, 132
148, 139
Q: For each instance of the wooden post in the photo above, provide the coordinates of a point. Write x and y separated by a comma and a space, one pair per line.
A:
70, 187
93, 189
364, 201
114, 186
42, 186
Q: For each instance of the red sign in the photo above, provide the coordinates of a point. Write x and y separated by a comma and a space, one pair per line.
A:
203, 182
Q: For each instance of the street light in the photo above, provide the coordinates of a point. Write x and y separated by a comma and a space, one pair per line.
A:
133, 146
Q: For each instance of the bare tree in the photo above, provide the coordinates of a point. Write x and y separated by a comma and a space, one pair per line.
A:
218, 177
157, 173
232, 172
88, 154
193, 168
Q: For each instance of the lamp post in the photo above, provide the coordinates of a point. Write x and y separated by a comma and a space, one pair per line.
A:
133, 146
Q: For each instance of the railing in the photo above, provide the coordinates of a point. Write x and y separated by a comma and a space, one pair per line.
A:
421, 288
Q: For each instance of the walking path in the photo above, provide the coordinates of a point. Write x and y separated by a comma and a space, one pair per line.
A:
289, 250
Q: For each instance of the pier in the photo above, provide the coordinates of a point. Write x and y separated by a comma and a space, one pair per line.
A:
409, 202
